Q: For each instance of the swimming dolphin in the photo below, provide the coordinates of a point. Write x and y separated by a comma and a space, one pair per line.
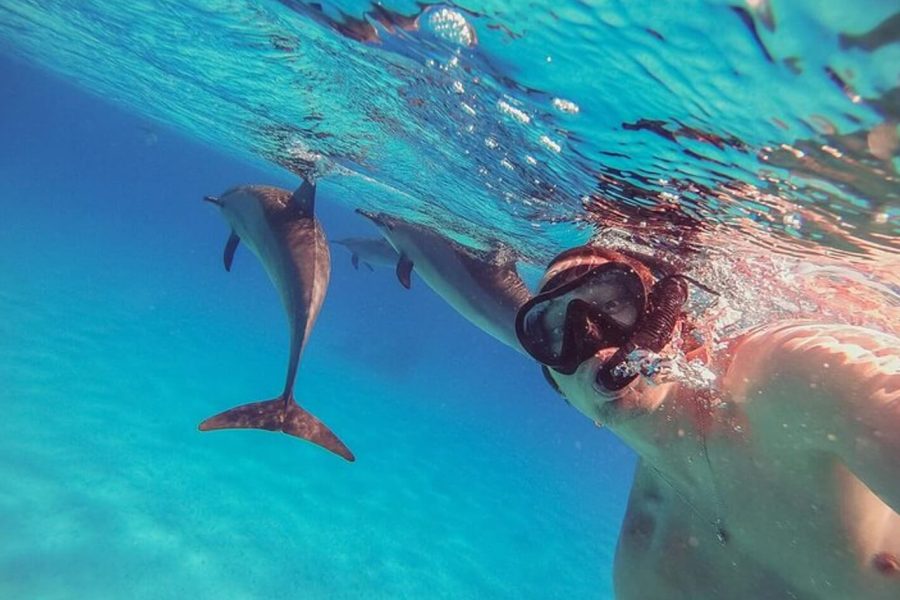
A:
371, 252
281, 229
483, 287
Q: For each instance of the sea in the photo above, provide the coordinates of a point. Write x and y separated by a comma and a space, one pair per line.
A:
758, 138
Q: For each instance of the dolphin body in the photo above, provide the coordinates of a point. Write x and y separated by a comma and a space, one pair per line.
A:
281, 229
372, 252
484, 287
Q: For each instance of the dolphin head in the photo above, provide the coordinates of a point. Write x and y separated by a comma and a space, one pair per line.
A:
245, 205
226, 205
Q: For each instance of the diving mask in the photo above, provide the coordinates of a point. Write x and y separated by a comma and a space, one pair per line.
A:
606, 307
566, 325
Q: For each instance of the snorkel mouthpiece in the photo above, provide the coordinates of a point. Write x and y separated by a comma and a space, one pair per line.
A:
611, 376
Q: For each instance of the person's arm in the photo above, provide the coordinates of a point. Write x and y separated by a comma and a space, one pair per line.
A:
844, 384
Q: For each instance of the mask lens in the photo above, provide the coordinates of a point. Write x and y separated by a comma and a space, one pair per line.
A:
544, 330
610, 302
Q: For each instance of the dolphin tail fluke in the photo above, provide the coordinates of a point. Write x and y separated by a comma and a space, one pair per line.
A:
278, 415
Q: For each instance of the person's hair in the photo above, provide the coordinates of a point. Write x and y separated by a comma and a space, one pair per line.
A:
577, 261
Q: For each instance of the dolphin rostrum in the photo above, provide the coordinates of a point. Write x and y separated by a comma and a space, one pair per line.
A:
484, 287
281, 229
372, 252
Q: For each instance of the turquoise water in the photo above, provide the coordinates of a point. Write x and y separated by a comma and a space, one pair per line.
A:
663, 125
121, 331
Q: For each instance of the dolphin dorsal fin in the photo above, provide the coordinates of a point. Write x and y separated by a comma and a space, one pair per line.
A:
404, 271
230, 246
304, 198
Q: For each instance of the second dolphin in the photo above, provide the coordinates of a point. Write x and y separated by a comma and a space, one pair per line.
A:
483, 287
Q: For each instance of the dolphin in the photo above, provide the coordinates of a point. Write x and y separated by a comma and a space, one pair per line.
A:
281, 229
371, 252
484, 287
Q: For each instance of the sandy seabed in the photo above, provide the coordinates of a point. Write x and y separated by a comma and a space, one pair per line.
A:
111, 492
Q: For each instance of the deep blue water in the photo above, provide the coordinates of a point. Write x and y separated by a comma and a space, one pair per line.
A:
121, 331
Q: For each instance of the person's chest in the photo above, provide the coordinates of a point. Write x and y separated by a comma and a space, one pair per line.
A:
800, 512
669, 549
748, 502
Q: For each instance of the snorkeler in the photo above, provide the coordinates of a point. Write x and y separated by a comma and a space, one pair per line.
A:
779, 481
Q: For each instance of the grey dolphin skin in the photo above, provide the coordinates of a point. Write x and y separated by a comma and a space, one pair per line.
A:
483, 287
372, 252
281, 229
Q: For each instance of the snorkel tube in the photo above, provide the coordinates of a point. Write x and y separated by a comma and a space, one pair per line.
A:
667, 298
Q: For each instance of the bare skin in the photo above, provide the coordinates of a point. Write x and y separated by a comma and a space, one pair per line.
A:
784, 483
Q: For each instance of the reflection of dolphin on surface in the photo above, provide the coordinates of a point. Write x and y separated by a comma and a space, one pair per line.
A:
282, 231
372, 252
484, 287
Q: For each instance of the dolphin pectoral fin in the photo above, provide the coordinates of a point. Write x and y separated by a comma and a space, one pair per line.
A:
279, 415
354, 260
230, 246
371, 268
404, 271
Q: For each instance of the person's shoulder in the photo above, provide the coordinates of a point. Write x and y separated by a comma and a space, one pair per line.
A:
833, 358
810, 336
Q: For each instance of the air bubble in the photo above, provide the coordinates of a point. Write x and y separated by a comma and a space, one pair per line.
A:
550, 144
566, 106
793, 220
517, 114
450, 25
